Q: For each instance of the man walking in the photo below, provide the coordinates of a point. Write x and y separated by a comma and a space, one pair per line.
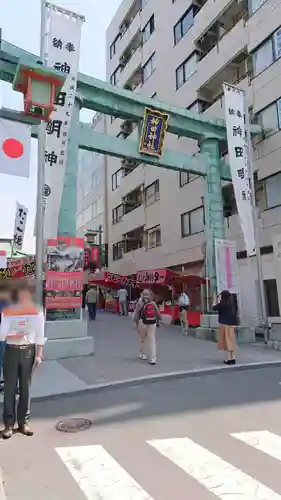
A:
23, 329
184, 306
91, 300
146, 317
122, 295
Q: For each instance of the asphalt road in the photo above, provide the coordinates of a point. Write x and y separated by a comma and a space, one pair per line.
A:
216, 436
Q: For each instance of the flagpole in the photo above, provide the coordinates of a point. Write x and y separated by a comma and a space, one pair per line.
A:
39, 258
256, 224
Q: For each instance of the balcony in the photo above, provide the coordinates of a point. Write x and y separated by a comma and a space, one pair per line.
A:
238, 72
131, 75
127, 35
133, 200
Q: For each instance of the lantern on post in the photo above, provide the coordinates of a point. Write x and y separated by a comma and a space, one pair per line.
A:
40, 87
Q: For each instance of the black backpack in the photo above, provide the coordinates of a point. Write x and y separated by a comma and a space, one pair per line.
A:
148, 314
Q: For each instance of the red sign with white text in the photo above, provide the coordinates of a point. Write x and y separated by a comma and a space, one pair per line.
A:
64, 277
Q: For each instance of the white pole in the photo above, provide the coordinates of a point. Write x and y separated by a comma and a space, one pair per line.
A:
40, 181
256, 223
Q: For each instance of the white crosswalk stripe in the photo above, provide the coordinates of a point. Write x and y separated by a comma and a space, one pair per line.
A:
264, 441
219, 477
99, 476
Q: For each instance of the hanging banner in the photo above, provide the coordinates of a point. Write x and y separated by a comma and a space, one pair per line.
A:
64, 276
226, 266
239, 161
153, 132
62, 53
19, 229
15, 144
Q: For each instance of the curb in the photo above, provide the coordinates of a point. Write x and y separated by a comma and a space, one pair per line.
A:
2, 492
161, 377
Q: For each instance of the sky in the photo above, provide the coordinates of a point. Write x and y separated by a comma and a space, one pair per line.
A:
20, 23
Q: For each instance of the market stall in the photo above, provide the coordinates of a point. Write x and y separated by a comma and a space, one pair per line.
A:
167, 285
109, 283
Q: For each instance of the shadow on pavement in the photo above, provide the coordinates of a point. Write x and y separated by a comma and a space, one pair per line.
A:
167, 398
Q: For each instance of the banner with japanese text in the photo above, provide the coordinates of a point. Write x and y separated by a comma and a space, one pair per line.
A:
62, 53
226, 266
239, 161
64, 276
19, 227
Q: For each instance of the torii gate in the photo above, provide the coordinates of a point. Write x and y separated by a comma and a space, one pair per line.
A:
105, 98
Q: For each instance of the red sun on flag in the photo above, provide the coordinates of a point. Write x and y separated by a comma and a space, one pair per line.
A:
13, 148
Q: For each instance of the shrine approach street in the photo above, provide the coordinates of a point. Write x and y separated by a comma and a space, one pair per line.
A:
213, 436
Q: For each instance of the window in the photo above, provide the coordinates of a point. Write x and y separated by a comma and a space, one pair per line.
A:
117, 214
255, 5
273, 190
148, 29
133, 240
192, 222
229, 202
270, 118
154, 237
148, 68
183, 25
186, 70
116, 179
117, 250
271, 298
267, 53
88, 214
115, 76
263, 57
112, 48
152, 193
186, 177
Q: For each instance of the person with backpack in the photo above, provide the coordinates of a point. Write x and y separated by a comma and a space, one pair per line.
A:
147, 317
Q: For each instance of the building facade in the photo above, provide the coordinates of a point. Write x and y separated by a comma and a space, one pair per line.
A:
91, 188
181, 52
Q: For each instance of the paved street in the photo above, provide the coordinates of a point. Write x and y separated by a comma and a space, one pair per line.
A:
117, 351
215, 436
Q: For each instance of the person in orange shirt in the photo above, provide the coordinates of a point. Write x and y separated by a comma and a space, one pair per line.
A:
23, 329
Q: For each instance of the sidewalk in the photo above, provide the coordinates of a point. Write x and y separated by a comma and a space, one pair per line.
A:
116, 358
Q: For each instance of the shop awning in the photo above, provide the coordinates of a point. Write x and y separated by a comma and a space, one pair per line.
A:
168, 277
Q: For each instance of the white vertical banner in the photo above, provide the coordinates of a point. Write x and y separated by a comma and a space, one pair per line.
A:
226, 266
62, 53
239, 161
20, 224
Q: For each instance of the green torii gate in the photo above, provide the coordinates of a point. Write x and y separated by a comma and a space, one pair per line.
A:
102, 97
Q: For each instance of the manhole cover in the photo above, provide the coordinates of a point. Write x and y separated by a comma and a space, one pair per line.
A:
74, 425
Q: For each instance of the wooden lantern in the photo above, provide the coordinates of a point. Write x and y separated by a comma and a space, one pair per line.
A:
40, 87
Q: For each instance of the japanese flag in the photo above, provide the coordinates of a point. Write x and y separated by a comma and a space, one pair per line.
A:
15, 140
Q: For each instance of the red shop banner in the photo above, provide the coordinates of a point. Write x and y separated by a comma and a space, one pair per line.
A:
64, 276
91, 256
112, 279
153, 277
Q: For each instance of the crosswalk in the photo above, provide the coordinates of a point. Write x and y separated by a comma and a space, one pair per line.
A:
100, 477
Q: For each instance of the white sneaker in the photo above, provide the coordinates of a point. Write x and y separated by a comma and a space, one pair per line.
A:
153, 361
143, 356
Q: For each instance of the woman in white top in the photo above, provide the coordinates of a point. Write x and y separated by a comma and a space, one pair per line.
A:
23, 329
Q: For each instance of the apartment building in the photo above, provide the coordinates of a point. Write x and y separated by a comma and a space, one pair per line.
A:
91, 188
181, 52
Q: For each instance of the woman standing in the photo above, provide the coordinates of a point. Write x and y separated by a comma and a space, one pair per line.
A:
227, 324
23, 329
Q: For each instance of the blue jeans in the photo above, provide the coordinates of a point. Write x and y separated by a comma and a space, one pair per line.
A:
2, 349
